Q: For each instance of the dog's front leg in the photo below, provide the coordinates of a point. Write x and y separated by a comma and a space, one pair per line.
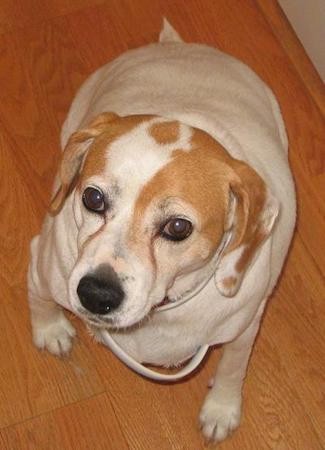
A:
51, 330
221, 411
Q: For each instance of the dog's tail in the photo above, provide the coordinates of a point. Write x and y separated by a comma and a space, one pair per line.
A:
168, 33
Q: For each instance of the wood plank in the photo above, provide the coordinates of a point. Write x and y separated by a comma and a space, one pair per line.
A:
18, 14
90, 424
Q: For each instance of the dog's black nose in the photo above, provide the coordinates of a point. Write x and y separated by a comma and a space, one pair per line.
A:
100, 292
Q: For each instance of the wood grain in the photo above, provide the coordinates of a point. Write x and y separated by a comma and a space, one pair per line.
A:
90, 400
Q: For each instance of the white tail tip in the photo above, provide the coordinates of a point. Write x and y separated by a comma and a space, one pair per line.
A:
168, 33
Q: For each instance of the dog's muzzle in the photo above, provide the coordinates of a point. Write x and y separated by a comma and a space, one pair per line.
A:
100, 292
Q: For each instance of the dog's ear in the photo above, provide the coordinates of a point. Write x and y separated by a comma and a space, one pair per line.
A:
73, 155
252, 211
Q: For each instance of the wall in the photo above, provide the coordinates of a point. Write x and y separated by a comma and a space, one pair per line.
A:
308, 20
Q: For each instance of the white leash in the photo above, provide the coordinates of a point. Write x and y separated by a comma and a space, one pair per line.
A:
196, 359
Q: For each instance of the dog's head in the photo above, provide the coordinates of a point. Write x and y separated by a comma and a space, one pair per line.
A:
152, 201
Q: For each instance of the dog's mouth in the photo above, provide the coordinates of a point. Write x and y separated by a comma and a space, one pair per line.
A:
100, 321
93, 319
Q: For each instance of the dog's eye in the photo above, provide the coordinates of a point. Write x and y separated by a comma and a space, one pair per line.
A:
93, 199
177, 229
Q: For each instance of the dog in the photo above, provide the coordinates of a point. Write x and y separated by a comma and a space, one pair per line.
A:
174, 183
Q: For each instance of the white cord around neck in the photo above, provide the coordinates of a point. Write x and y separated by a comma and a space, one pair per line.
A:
199, 355
149, 373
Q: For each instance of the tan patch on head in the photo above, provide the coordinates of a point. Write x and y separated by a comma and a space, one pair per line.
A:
165, 132
207, 178
198, 177
96, 159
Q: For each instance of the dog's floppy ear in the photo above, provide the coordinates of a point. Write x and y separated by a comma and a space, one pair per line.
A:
73, 155
252, 211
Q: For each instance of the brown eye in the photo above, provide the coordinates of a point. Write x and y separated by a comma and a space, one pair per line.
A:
177, 229
93, 199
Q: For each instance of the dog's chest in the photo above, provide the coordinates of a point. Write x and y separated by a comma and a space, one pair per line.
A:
170, 338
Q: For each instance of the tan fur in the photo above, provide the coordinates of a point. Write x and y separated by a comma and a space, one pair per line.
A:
229, 282
203, 178
251, 198
250, 192
165, 132
197, 178
99, 133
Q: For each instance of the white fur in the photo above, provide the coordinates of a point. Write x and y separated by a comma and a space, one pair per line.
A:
204, 88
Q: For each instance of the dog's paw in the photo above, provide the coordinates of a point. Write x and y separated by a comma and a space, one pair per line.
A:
219, 418
56, 337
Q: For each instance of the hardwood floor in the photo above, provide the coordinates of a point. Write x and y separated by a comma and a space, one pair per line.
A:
90, 400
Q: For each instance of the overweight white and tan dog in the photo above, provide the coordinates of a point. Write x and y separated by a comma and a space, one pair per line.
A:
174, 187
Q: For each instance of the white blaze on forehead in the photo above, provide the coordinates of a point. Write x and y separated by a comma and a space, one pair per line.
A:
134, 158
131, 161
